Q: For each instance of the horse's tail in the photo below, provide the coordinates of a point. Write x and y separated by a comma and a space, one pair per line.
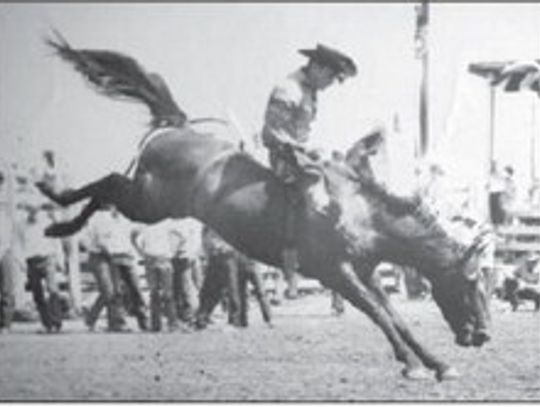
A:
121, 77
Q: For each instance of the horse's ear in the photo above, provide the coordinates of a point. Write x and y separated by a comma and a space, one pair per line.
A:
370, 143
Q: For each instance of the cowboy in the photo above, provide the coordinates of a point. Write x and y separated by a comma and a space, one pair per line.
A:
290, 111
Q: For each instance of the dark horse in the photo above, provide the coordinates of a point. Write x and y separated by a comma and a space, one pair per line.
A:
182, 172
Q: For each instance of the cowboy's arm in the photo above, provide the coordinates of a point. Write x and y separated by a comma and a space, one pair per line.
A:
283, 124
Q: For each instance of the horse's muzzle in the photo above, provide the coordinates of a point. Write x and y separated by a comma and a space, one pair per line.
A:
464, 337
476, 338
480, 337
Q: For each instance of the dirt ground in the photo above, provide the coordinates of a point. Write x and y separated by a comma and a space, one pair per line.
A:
308, 355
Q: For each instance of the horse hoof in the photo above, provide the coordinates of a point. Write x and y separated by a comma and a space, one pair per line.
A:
416, 373
450, 373
43, 187
59, 230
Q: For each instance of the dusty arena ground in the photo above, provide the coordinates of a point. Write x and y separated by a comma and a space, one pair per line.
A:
308, 355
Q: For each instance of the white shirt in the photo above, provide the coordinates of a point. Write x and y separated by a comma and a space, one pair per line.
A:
110, 234
35, 242
189, 244
157, 240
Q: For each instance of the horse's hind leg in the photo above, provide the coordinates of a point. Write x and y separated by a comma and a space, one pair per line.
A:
115, 189
100, 189
61, 229
118, 190
349, 285
66, 197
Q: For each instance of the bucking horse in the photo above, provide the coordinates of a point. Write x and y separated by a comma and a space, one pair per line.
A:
184, 172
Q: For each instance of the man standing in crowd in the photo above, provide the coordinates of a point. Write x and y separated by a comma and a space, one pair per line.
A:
43, 259
249, 274
509, 193
111, 261
229, 271
7, 217
186, 266
154, 243
496, 196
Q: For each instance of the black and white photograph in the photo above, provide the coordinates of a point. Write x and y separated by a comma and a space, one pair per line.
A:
277, 202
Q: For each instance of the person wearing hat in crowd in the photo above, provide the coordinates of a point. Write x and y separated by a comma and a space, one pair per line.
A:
290, 111
43, 256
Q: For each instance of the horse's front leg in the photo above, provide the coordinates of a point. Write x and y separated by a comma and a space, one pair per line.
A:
442, 369
349, 285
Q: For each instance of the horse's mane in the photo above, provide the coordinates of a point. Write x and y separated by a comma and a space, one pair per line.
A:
414, 206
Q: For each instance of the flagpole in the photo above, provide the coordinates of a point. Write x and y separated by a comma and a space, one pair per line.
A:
424, 100
492, 112
533, 143
422, 20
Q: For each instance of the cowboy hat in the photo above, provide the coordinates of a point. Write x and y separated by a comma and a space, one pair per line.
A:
343, 65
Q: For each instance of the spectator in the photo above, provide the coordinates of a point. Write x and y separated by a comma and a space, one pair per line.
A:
534, 193
186, 268
509, 193
229, 271
7, 300
154, 244
42, 256
7, 296
524, 283
496, 192
249, 272
111, 260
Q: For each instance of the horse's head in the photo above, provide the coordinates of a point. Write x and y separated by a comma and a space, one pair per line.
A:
461, 291
358, 156
405, 230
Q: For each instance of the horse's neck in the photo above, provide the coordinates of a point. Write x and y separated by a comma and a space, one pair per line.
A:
419, 239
